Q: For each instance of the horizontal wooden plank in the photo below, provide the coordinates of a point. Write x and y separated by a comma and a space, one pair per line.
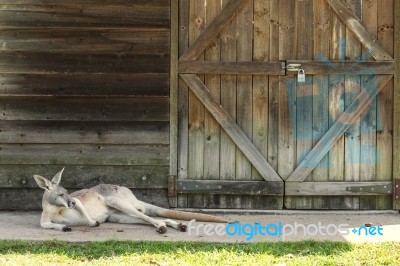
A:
84, 109
83, 2
146, 40
21, 176
48, 132
224, 67
345, 68
84, 85
31, 199
85, 14
42, 63
85, 154
230, 187
334, 188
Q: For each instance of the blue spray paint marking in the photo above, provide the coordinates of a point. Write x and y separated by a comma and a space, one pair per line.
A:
293, 88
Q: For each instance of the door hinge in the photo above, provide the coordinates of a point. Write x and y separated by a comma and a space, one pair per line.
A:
172, 192
396, 190
372, 189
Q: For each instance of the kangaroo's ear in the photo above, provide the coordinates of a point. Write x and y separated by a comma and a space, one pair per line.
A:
43, 182
57, 178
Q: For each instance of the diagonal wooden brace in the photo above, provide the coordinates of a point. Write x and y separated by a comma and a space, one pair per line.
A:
367, 39
231, 128
360, 104
216, 26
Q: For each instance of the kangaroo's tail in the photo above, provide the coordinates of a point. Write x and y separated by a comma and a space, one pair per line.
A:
186, 216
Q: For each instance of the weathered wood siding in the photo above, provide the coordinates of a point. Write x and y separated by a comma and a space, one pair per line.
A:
283, 118
84, 84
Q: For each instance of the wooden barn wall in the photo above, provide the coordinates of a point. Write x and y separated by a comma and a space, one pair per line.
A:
84, 85
284, 125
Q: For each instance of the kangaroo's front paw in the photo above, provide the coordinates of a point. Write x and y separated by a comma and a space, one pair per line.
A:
66, 229
162, 229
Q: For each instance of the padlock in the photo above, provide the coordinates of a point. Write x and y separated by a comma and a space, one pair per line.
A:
301, 76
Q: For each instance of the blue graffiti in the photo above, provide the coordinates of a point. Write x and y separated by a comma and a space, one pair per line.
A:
302, 95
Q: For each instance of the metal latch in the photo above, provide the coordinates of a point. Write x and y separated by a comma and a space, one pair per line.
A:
293, 67
172, 192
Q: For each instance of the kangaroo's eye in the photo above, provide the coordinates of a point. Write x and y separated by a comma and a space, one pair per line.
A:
61, 195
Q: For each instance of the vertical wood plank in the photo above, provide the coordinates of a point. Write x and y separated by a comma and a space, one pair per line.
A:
263, 39
368, 123
304, 92
322, 36
386, 149
396, 99
228, 101
260, 83
336, 103
287, 51
352, 88
273, 112
197, 23
183, 99
173, 92
244, 93
212, 128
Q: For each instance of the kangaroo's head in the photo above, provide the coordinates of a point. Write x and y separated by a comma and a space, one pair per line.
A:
54, 193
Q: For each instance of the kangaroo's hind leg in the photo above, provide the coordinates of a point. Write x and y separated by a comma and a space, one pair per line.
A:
125, 206
124, 218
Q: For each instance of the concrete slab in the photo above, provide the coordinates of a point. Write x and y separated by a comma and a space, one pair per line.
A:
370, 226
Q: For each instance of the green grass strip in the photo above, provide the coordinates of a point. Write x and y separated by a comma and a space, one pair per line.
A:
172, 253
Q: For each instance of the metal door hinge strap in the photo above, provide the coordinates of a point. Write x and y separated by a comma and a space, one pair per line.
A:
376, 189
396, 194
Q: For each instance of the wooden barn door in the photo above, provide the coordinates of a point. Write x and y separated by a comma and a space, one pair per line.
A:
252, 135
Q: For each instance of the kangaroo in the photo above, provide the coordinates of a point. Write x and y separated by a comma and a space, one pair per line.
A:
105, 203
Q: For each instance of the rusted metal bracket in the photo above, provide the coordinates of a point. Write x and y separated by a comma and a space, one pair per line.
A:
396, 190
373, 189
172, 192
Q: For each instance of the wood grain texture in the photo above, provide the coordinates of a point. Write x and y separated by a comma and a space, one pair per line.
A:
220, 22
50, 63
173, 96
384, 138
368, 125
183, 100
75, 176
132, 40
232, 67
111, 85
322, 32
337, 188
82, 109
85, 14
228, 101
84, 154
337, 129
345, 13
197, 24
231, 128
75, 132
255, 188
396, 101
